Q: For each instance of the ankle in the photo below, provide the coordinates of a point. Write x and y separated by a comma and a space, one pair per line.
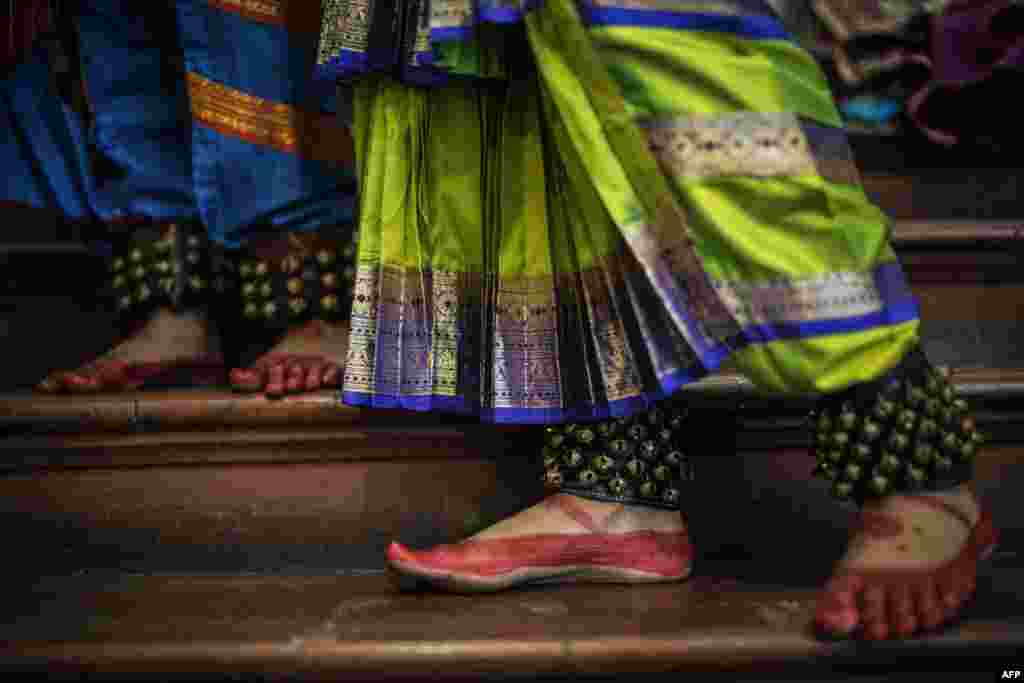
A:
169, 328
618, 518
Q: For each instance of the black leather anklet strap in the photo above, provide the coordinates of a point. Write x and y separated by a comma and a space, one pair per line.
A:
295, 278
905, 432
637, 460
155, 266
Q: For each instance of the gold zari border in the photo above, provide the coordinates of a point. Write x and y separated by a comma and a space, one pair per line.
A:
284, 127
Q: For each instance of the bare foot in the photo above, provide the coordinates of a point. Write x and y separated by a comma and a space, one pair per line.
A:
562, 538
308, 358
910, 567
168, 343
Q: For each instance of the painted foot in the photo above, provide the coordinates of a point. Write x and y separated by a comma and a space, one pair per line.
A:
308, 358
910, 568
561, 539
170, 348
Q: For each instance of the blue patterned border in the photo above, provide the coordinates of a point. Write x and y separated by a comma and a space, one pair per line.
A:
753, 27
899, 307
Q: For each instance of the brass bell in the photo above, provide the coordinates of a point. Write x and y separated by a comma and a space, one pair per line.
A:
143, 293
117, 264
269, 309
162, 266
617, 486
118, 281
139, 272
249, 289
197, 283
634, 467
167, 284
266, 289
136, 255
329, 303
842, 489
163, 246
251, 310
573, 457
648, 449
246, 269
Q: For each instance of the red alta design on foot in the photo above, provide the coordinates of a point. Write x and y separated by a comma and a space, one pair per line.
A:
495, 564
270, 373
119, 375
880, 603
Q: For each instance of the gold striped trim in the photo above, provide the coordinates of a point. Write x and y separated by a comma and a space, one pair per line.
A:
296, 15
273, 124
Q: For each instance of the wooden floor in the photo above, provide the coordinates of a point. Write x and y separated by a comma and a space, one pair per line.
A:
349, 626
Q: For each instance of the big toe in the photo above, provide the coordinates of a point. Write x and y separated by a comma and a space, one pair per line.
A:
248, 379
81, 382
837, 612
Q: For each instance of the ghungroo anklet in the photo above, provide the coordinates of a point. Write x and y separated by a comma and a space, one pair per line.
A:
905, 432
637, 460
160, 265
296, 278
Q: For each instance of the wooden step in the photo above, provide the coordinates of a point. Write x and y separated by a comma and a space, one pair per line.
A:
342, 515
333, 490
155, 416
344, 627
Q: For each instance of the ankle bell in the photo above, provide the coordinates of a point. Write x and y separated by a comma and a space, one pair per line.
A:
906, 432
637, 460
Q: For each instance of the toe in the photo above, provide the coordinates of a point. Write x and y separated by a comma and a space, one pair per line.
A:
949, 594
902, 612
874, 613
843, 590
929, 611
296, 381
82, 383
276, 380
248, 379
876, 630
332, 375
837, 612
314, 376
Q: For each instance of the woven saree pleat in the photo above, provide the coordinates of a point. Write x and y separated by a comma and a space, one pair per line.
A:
572, 208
